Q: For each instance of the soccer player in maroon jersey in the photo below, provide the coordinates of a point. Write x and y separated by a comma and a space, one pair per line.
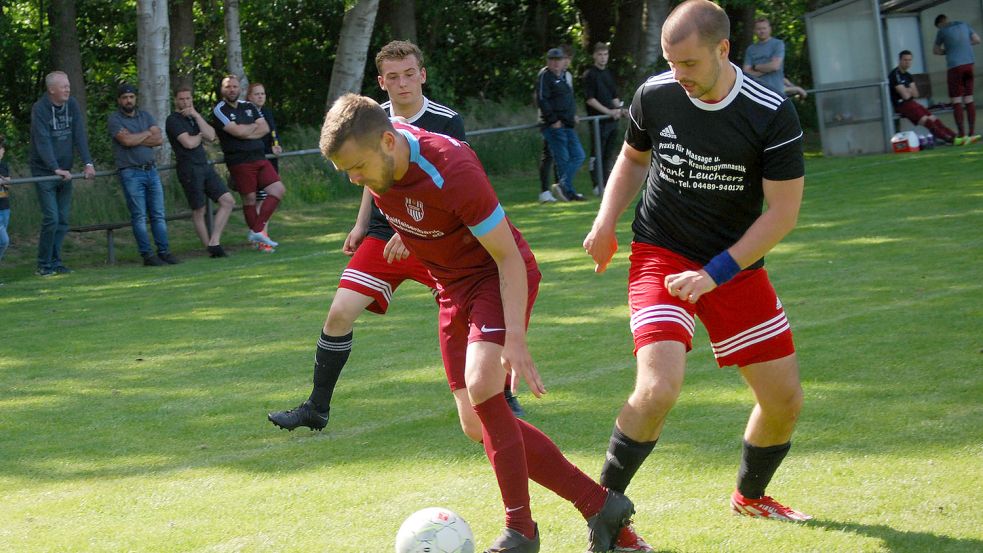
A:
714, 145
437, 197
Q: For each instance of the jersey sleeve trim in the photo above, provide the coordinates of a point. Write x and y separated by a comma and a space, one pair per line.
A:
220, 115
793, 139
422, 162
489, 223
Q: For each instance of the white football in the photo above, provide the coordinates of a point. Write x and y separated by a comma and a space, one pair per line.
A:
434, 530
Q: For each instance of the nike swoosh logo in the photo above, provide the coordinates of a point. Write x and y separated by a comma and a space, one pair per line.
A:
512, 509
486, 329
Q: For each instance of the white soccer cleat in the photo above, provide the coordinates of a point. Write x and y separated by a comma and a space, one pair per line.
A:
261, 238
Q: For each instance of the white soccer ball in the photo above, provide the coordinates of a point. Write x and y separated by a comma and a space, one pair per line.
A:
434, 530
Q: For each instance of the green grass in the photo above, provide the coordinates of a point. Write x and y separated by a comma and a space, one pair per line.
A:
133, 400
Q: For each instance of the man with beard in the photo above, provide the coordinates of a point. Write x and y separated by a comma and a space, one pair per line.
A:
135, 134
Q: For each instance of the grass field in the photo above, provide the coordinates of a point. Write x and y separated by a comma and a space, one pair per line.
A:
133, 400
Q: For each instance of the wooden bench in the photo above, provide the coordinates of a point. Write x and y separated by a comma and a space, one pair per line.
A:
110, 227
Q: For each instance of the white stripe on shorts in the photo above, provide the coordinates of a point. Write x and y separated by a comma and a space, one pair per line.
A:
759, 333
369, 281
663, 313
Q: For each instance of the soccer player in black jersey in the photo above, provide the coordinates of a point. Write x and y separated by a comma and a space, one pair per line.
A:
714, 145
371, 278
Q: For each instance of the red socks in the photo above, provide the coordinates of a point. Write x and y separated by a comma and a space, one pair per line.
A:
549, 468
249, 211
971, 116
269, 206
957, 114
502, 440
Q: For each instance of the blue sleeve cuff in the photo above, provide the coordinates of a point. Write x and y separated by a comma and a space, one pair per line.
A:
489, 223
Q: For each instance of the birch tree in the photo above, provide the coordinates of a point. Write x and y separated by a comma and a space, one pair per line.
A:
153, 55
353, 47
233, 38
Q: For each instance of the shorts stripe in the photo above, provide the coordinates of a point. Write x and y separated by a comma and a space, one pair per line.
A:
768, 329
369, 281
663, 313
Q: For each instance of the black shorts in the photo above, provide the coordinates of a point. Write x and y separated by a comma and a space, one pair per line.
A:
200, 181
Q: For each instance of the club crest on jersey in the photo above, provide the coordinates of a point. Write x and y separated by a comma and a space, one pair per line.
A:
249, 113
415, 209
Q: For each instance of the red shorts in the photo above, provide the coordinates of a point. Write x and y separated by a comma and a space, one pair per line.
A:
960, 80
253, 175
471, 311
912, 110
744, 317
369, 274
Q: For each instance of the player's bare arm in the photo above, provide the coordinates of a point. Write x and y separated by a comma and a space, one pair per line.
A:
207, 131
784, 199
154, 137
626, 180
361, 227
243, 131
395, 250
188, 141
261, 129
500, 244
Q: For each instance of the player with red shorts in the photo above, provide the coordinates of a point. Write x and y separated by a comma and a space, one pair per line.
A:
713, 145
435, 194
955, 41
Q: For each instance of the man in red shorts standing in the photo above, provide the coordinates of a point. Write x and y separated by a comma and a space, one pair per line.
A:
904, 91
241, 127
435, 194
955, 41
713, 144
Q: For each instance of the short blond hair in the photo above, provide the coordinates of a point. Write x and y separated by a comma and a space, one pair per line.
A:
703, 17
352, 117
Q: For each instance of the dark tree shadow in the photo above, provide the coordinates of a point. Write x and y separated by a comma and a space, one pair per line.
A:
903, 541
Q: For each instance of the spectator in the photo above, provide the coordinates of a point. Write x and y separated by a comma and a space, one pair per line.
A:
186, 130
903, 93
955, 40
135, 134
547, 166
57, 128
271, 145
601, 95
765, 59
4, 199
241, 127
557, 118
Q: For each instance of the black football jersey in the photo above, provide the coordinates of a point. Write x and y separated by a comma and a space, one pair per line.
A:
704, 186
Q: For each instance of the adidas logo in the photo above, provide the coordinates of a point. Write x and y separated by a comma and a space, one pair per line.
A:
668, 133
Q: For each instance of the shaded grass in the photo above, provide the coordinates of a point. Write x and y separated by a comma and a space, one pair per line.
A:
133, 400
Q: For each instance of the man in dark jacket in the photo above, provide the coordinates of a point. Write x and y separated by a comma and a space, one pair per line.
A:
57, 128
557, 118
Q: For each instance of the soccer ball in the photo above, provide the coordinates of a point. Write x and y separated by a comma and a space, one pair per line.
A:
434, 530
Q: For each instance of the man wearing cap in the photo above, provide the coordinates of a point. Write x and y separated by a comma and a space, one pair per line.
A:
557, 118
135, 134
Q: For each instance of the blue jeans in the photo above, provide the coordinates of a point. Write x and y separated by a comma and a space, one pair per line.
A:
145, 197
55, 200
4, 239
567, 153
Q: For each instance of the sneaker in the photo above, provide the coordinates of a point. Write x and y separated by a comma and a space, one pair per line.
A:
303, 415
44, 272
558, 192
765, 507
259, 237
154, 261
959, 141
512, 541
168, 257
546, 197
575, 197
513, 402
217, 251
972, 139
628, 540
604, 527
264, 248
62, 270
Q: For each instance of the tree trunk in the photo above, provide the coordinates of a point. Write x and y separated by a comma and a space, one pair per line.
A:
656, 12
233, 38
741, 30
65, 51
626, 46
598, 18
153, 55
182, 42
402, 18
353, 46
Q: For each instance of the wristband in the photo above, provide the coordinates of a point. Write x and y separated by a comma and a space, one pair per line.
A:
722, 268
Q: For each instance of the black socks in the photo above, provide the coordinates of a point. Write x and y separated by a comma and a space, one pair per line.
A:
758, 465
623, 458
332, 354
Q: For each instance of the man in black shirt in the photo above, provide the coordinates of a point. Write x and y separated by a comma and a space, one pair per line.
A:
903, 90
186, 130
557, 119
713, 144
241, 127
601, 96
372, 276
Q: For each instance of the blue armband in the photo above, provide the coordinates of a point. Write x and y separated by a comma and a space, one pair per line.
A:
722, 268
